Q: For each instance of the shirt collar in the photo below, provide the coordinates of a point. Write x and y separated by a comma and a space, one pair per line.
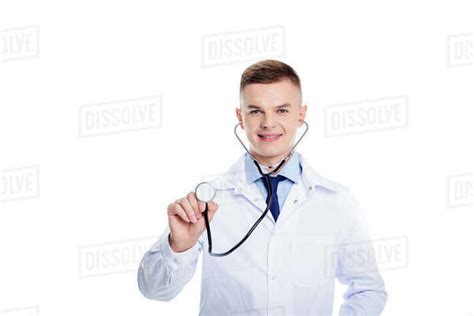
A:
235, 177
291, 170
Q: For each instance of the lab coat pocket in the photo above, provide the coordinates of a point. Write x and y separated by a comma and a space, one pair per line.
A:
311, 260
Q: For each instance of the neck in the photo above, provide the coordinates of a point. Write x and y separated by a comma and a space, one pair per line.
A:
269, 161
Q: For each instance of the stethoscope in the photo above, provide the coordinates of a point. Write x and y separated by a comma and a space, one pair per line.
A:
205, 192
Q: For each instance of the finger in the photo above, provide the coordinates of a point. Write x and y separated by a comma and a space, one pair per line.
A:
184, 213
176, 209
212, 207
202, 206
188, 209
194, 203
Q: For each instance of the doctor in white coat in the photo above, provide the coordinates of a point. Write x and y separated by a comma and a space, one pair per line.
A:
314, 235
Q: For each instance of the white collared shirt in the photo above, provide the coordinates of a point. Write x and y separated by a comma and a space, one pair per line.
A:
284, 268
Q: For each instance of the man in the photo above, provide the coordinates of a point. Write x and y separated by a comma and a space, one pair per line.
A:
314, 233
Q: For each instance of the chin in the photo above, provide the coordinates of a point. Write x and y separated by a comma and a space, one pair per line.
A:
270, 152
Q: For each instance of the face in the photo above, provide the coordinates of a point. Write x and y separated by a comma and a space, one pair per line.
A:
270, 114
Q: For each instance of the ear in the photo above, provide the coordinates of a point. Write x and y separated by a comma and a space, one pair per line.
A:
302, 114
238, 113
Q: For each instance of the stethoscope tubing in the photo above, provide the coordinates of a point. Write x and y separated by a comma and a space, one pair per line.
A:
268, 200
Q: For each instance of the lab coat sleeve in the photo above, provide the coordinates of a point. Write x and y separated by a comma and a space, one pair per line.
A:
365, 294
162, 273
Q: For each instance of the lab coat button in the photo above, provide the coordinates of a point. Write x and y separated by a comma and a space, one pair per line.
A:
274, 277
295, 201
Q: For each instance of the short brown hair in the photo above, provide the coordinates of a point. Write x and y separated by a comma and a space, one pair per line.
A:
268, 71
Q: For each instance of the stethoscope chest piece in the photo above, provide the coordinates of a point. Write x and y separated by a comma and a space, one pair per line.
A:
205, 192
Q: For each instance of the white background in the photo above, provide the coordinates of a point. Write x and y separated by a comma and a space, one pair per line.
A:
116, 187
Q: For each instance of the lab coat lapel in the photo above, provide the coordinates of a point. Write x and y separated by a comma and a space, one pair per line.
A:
302, 190
236, 179
252, 194
296, 196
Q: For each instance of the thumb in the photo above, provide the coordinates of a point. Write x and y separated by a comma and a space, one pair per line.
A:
212, 207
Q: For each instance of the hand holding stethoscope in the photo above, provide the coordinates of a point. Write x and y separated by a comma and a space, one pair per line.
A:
186, 221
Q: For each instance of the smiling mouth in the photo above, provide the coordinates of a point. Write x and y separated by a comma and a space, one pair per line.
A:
270, 137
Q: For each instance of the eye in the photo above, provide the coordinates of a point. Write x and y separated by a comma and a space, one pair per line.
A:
254, 111
284, 110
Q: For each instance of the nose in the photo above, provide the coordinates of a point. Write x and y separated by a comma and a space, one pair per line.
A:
268, 121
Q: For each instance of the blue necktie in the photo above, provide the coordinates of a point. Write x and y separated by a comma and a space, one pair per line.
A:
275, 207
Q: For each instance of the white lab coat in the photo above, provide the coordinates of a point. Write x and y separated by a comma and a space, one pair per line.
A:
284, 268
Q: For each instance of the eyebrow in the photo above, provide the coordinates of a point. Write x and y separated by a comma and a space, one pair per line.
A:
286, 105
